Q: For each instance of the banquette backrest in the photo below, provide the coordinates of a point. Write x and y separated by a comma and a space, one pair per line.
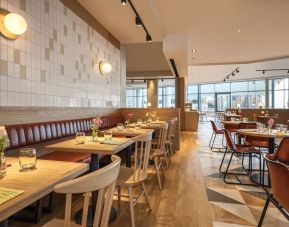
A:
33, 133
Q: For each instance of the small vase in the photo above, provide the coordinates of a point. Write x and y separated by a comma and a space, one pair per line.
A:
269, 129
94, 134
2, 164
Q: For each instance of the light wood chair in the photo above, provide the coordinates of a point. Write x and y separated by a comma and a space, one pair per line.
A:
103, 181
169, 140
159, 153
136, 176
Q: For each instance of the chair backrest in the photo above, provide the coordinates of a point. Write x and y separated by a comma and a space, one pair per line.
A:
230, 143
163, 130
220, 116
173, 131
103, 181
141, 156
214, 127
282, 153
231, 126
279, 175
170, 133
249, 125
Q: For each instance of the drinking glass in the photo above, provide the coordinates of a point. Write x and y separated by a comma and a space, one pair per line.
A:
107, 135
119, 127
80, 138
284, 129
27, 159
279, 127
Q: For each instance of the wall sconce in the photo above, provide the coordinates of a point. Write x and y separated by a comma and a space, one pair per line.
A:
11, 24
104, 67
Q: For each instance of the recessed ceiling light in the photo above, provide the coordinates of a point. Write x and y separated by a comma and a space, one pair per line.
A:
239, 30
194, 51
229, 57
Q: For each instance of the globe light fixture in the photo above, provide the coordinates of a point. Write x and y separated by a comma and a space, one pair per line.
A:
105, 67
12, 25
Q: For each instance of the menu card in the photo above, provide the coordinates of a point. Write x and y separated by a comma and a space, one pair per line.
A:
8, 193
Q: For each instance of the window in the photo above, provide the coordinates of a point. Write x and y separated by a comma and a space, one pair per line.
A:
166, 97
136, 97
278, 90
193, 95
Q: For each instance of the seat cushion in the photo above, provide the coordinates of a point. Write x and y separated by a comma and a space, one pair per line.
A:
67, 156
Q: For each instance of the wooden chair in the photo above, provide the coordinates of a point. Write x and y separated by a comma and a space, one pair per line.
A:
279, 175
159, 153
136, 176
103, 181
169, 140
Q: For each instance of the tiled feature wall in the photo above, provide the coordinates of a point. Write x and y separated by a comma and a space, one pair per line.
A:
55, 64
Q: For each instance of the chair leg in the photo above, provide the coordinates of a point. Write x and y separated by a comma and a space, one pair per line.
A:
158, 173
146, 196
225, 153
264, 211
227, 169
211, 140
131, 206
118, 196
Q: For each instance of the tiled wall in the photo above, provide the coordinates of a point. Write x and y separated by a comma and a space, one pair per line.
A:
55, 64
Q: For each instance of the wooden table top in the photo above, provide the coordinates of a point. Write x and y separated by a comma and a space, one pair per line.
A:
266, 134
36, 183
130, 132
238, 122
151, 126
232, 115
89, 146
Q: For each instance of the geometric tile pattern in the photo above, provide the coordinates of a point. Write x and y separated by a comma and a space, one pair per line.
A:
55, 63
233, 205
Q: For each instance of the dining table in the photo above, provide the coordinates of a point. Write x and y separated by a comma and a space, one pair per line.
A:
34, 184
152, 125
271, 135
238, 122
129, 132
229, 116
94, 148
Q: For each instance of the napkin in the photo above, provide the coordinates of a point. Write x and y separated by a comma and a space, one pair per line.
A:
8, 193
111, 142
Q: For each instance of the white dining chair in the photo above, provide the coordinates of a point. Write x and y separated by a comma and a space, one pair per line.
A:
131, 178
102, 180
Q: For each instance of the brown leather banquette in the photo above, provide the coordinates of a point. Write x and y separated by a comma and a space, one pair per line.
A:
23, 135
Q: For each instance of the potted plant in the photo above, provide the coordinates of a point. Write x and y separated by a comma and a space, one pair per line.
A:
96, 123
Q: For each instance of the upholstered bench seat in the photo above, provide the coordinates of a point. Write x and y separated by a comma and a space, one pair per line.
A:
67, 156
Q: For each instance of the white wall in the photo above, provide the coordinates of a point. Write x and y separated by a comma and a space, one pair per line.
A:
55, 64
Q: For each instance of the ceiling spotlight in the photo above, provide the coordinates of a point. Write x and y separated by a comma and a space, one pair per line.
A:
239, 30
123, 2
145, 81
225, 80
237, 71
138, 21
132, 81
162, 80
148, 38
194, 50
233, 74
288, 71
263, 71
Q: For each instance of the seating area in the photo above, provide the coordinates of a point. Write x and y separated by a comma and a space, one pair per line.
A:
144, 113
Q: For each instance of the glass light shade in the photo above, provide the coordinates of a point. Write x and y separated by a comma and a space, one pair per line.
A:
15, 23
105, 67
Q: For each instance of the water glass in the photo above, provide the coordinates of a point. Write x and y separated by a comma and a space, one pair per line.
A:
284, 129
80, 138
107, 135
119, 127
279, 127
27, 159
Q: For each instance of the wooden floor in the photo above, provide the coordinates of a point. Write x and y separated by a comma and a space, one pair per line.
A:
194, 194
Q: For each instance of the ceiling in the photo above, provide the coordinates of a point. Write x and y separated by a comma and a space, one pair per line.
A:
221, 32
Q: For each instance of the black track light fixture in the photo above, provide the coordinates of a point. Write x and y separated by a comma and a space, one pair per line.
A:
148, 38
162, 79
288, 71
263, 72
237, 70
132, 81
233, 74
138, 21
145, 81
123, 2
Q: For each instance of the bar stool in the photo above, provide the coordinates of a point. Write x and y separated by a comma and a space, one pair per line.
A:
103, 181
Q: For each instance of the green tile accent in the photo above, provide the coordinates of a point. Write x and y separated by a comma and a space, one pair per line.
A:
3, 68
23, 72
